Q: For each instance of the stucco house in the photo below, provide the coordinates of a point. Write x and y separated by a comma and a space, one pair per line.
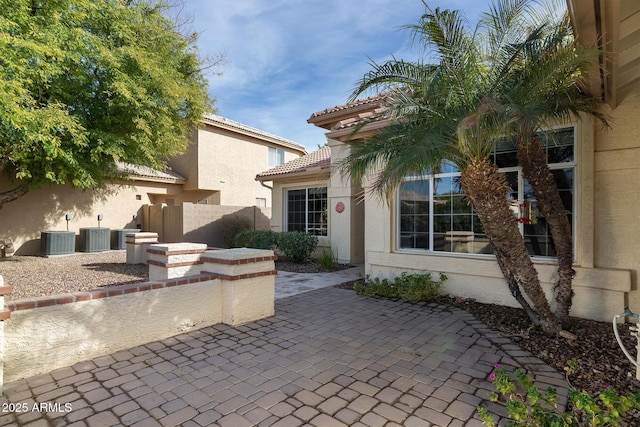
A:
218, 168
424, 228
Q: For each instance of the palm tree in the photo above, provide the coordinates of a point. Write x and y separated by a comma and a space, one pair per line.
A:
546, 85
457, 108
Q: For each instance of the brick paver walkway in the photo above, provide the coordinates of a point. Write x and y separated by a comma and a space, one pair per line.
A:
327, 358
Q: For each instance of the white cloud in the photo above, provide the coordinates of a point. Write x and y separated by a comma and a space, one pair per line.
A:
290, 58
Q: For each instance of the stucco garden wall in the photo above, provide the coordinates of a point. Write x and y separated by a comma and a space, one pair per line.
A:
190, 222
233, 286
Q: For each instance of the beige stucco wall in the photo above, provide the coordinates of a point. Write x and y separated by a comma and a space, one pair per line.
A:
279, 208
227, 163
347, 228
42, 339
44, 209
220, 166
617, 193
607, 229
238, 288
345, 236
199, 223
202, 223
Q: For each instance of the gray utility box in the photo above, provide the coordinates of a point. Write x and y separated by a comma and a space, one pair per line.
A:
119, 238
57, 242
95, 239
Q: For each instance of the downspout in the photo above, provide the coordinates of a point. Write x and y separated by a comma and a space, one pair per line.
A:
266, 186
254, 210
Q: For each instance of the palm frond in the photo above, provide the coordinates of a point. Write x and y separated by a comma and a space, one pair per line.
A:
392, 74
549, 82
402, 148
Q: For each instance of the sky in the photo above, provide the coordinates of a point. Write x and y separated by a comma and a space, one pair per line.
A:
286, 59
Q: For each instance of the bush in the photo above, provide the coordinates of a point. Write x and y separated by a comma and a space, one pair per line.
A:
296, 246
409, 287
257, 239
327, 259
232, 225
529, 406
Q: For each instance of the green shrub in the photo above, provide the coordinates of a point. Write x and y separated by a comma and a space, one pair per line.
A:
257, 239
232, 225
409, 287
527, 405
297, 246
327, 259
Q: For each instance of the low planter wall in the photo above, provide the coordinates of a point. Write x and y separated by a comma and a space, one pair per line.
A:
235, 286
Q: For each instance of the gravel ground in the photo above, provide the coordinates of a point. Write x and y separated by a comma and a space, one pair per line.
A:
33, 276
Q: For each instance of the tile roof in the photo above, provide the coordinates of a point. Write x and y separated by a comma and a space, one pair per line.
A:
347, 116
319, 160
371, 116
375, 99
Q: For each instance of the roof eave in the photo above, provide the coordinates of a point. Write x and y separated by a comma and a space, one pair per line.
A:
597, 24
326, 119
362, 133
323, 172
237, 127
155, 179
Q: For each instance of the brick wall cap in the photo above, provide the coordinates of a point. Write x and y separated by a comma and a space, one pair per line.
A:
171, 247
237, 254
114, 291
143, 235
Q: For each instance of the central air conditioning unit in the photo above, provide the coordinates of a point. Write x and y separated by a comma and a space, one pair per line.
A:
119, 238
95, 239
57, 242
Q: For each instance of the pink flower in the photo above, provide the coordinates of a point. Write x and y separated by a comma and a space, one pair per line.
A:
492, 376
497, 365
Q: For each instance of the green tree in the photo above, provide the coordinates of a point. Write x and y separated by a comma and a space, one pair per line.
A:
547, 85
85, 84
465, 98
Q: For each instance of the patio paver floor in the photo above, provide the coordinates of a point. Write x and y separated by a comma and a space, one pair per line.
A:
327, 358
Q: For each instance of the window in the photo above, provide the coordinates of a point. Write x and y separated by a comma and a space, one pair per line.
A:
276, 157
307, 210
261, 202
434, 215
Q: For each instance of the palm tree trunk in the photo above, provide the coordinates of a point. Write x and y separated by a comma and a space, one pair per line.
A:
486, 189
532, 159
516, 292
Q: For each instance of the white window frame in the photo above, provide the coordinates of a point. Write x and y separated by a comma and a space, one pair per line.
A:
431, 178
306, 216
276, 157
